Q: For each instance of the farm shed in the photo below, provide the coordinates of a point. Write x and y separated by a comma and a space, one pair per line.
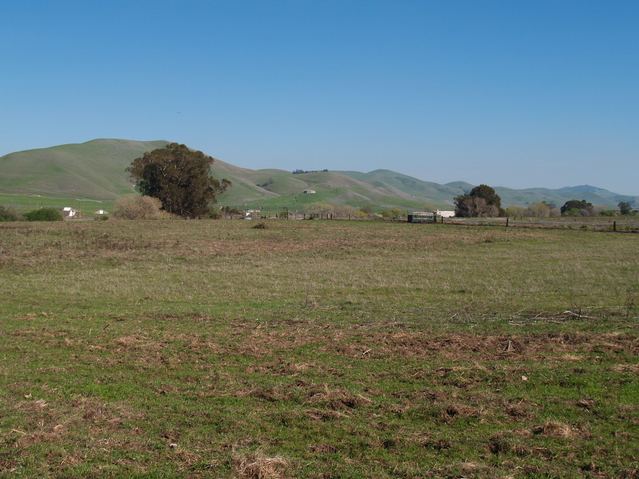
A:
252, 214
69, 212
422, 217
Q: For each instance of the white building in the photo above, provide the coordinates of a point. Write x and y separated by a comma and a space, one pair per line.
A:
309, 192
250, 214
445, 213
69, 212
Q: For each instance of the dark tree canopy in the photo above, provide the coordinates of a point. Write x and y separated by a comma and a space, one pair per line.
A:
577, 208
44, 214
625, 208
179, 177
482, 200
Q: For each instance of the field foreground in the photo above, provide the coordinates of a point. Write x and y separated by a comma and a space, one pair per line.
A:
317, 349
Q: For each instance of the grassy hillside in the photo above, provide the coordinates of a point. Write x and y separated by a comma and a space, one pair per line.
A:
399, 184
96, 170
596, 196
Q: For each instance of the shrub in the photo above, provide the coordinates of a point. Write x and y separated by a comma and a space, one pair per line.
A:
214, 213
44, 214
7, 214
515, 211
608, 213
393, 214
134, 207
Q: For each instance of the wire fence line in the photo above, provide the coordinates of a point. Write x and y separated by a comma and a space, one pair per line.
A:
620, 224
612, 224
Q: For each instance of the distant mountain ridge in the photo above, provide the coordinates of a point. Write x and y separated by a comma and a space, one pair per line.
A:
96, 170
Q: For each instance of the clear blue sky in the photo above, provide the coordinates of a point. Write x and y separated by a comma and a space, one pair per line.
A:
513, 93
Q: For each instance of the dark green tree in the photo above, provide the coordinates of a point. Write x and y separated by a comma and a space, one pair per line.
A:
625, 208
482, 200
180, 178
44, 214
577, 208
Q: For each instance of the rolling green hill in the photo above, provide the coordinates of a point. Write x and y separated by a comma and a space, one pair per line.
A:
95, 171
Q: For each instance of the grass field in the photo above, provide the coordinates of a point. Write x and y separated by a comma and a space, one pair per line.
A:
24, 203
317, 350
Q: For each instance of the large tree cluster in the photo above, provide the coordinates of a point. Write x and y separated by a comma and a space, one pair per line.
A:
481, 201
180, 178
577, 208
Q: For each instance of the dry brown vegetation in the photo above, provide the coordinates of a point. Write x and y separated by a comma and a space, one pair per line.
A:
258, 466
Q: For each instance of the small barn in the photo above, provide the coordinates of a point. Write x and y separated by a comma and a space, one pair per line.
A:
69, 212
309, 192
252, 214
422, 217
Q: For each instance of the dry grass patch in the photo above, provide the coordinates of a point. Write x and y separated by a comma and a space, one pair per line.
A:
256, 465
556, 429
336, 399
454, 346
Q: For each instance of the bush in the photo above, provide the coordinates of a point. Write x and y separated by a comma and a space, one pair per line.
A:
214, 213
44, 214
515, 212
7, 214
134, 207
608, 213
393, 214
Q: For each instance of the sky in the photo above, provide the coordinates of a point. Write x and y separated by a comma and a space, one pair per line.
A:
510, 93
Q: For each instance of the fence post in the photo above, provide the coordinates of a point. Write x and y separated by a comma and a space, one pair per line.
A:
614, 226
507, 218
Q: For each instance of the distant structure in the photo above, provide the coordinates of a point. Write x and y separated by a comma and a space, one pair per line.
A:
303, 172
422, 217
445, 213
101, 213
429, 216
68, 212
309, 192
252, 214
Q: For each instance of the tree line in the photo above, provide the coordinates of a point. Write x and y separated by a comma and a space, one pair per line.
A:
483, 201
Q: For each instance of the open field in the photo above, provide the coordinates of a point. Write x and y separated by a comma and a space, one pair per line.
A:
341, 349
